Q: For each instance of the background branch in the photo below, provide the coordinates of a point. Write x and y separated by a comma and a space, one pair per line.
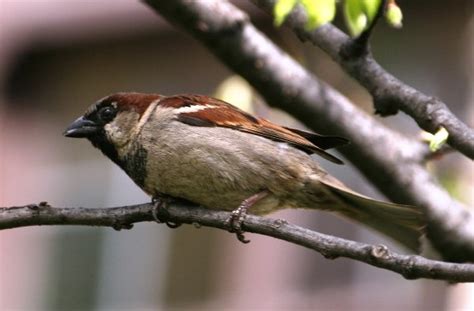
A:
389, 93
390, 161
411, 267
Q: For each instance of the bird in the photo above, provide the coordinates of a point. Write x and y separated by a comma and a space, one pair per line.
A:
209, 152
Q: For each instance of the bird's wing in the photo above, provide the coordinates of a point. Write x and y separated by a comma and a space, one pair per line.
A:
198, 110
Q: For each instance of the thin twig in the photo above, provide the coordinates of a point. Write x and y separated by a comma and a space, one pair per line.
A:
409, 266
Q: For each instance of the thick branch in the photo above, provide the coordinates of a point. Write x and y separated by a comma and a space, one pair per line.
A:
389, 93
389, 160
411, 267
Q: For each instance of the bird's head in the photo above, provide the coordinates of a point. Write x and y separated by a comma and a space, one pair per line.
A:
110, 123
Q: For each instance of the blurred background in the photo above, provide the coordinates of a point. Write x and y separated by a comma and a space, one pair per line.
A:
59, 57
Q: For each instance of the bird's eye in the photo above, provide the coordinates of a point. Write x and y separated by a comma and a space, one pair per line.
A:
107, 114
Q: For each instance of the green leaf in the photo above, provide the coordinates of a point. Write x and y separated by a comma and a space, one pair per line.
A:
394, 15
319, 12
356, 19
370, 8
281, 10
359, 14
438, 139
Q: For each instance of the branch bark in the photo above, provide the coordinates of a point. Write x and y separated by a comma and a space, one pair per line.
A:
410, 267
389, 93
389, 160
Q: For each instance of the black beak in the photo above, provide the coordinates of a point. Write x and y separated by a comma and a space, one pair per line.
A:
82, 128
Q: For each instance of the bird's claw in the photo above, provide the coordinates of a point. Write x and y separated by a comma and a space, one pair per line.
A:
236, 219
238, 215
160, 205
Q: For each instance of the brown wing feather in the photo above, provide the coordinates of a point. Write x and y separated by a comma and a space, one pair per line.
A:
322, 141
232, 117
273, 131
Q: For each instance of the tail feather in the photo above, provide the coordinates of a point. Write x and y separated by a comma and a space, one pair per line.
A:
402, 223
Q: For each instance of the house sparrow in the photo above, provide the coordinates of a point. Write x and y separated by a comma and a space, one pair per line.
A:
209, 152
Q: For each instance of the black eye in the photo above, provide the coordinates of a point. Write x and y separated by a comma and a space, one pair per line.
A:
107, 114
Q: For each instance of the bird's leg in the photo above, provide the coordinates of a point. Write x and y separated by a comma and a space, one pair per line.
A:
160, 204
238, 215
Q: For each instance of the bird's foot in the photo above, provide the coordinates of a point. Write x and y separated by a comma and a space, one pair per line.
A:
238, 215
160, 205
236, 219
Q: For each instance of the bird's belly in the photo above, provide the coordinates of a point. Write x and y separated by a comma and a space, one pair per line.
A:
195, 180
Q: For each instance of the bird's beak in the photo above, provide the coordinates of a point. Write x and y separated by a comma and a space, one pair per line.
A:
82, 128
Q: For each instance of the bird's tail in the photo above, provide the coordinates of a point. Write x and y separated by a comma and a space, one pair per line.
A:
402, 223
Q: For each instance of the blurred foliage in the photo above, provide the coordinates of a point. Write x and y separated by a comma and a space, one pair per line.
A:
281, 9
319, 12
358, 14
394, 15
237, 91
436, 140
453, 184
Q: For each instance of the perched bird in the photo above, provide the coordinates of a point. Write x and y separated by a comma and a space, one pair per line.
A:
209, 152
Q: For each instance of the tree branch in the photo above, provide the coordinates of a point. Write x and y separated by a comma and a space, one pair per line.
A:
410, 267
389, 160
389, 93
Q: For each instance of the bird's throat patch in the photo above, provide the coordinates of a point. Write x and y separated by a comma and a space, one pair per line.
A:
134, 165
